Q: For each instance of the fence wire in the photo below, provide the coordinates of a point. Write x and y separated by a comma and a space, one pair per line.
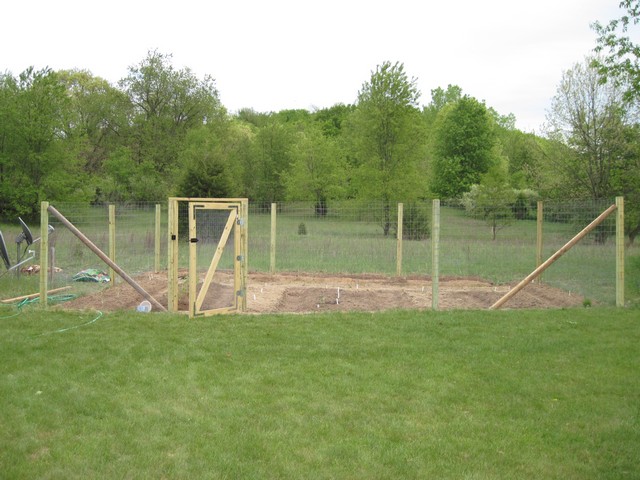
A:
134, 237
354, 237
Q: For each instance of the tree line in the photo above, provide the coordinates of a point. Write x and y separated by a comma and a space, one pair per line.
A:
160, 131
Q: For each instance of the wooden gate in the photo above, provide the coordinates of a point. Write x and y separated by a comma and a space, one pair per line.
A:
217, 241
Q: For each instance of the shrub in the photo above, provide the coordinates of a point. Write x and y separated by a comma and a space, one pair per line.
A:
525, 206
415, 222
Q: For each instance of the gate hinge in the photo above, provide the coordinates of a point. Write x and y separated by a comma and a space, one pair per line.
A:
240, 221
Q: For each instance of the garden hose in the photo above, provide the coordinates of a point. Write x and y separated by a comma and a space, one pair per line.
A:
62, 330
52, 299
28, 301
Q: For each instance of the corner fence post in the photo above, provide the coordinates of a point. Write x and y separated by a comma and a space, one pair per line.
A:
112, 242
435, 254
539, 240
272, 250
620, 252
44, 252
399, 241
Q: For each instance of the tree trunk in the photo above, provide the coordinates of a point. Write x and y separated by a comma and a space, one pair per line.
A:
633, 233
386, 221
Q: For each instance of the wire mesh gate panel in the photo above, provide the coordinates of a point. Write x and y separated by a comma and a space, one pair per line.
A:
217, 246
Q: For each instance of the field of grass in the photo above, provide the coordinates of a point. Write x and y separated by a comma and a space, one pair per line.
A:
526, 394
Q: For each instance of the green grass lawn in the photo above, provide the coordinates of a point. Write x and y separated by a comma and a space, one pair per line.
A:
476, 395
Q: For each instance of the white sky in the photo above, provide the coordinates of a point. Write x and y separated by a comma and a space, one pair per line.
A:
271, 55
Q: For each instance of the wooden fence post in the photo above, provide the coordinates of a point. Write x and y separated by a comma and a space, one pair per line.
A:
540, 222
156, 262
244, 249
435, 254
112, 242
399, 241
620, 252
172, 254
272, 251
44, 252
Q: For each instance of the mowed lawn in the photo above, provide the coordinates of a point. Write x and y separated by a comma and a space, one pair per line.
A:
460, 395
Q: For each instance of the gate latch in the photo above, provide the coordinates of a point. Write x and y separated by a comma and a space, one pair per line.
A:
193, 240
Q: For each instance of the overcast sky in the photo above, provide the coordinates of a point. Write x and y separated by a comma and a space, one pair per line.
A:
271, 55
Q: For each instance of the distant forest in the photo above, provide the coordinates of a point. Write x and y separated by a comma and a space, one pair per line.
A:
72, 136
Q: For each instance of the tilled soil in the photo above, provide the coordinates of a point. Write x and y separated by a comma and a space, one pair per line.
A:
305, 293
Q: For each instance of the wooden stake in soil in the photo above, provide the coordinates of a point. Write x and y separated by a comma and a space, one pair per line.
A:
33, 295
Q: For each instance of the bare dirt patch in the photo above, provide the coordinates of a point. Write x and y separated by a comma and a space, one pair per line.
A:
305, 293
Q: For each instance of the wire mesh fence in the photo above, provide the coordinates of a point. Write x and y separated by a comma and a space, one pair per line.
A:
359, 237
355, 237
134, 239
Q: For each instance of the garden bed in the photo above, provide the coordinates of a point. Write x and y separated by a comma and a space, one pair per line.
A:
305, 293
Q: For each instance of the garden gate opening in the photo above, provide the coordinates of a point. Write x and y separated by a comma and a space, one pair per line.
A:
216, 230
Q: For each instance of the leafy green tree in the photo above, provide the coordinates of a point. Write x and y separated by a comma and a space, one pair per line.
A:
439, 99
318, 172
251, 117
34, 163
331, 119
299, 116
209, 164
463, 147
387, 135
124, 179
492, 200
620, 55
619, 64
96, 119
270, 162
588, 116
206, 178
625, 180
166, 104
525, 154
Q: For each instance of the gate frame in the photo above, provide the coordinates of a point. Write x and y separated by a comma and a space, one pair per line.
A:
240, 239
